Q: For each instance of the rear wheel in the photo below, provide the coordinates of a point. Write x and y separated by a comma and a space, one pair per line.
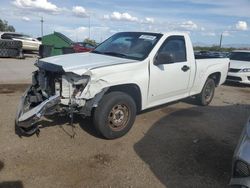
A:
115, 115
207, 93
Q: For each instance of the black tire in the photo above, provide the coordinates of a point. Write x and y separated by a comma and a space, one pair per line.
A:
9, 52
207, 93
115, 115
10, 44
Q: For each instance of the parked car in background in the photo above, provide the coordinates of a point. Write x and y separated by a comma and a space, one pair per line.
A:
28, 43
211, 54
239, 67
241, 161
82, 47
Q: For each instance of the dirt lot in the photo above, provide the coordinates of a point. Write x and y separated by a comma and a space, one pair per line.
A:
179, 145
17, 70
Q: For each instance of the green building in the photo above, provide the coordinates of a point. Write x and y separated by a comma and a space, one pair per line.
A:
57, 42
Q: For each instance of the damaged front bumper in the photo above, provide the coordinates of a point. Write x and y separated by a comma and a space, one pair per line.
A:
26, 120
55, 91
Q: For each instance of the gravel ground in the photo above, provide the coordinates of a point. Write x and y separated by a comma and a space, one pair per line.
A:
179, 145
17, 70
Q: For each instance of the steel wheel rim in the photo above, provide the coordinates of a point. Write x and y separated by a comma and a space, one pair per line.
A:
209, 91
118, 117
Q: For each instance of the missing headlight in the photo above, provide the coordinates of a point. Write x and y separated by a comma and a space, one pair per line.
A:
73, 84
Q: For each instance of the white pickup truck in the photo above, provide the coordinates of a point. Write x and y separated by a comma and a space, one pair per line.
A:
127, 73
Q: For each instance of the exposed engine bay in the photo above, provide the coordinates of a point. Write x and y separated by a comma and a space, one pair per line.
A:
52, 91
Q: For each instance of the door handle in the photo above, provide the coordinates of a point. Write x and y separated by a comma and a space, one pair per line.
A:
185, 68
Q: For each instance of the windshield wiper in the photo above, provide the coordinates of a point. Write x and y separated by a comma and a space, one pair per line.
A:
114, 54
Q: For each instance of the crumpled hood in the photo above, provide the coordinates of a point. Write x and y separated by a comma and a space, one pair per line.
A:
82, 62
239, 64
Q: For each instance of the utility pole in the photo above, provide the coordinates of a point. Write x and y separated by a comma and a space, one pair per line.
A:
89, 26
221, 36
41, 26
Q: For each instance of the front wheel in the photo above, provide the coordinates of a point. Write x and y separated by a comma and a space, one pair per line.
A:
115, 115
207, 93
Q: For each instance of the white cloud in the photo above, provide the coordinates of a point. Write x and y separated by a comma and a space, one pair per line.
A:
227, 33
24, 18
189, 25
149, 20
106, 17
209, 34
77, 34
40, 5
241, 25
117, 16
79, 11
80, 33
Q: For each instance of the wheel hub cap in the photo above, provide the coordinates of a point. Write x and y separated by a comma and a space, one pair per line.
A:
118, 117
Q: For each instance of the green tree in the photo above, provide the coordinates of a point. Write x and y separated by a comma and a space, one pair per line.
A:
4, 26
90, 41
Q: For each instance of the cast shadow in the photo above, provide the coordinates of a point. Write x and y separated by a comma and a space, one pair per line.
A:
9, 184
194, 147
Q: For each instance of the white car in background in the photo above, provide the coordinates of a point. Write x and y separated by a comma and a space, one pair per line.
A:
239, 67
29, 43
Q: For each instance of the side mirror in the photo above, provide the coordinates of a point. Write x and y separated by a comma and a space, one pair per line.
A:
164, 58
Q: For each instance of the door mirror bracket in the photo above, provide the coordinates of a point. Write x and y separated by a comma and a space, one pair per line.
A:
164, 58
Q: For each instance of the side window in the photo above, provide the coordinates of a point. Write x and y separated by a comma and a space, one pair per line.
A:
175, 46
6, 36
121, 45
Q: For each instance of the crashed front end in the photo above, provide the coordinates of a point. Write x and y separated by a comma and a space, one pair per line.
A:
52, 91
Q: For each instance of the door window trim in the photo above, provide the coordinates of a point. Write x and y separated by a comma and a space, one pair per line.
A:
170, 38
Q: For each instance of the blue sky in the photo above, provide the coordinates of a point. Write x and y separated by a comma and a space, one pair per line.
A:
204, 20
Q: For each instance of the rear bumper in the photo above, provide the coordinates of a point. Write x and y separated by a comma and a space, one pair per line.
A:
239, 77
26, 120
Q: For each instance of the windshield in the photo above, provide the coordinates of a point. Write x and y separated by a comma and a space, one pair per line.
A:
240, 56
130, 45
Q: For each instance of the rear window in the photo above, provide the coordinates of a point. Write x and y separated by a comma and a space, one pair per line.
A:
240, 56
6, 36
14, 35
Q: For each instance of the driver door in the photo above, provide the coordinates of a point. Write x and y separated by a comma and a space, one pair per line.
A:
169, 80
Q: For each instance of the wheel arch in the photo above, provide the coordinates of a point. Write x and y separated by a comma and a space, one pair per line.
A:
132, 90
216, 77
